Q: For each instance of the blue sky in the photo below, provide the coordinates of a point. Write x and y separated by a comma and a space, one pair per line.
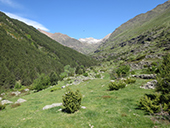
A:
77, 18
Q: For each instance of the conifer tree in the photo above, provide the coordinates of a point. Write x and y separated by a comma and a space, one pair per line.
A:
71, 100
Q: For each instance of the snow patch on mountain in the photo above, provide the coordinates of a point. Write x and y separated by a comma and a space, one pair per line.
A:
91, 40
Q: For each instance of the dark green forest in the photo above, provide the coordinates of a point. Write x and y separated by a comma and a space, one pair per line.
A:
25, 53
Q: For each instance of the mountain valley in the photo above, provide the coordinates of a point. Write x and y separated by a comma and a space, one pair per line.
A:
119, 81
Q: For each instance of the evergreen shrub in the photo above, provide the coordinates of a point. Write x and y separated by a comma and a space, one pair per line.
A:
71, 100
123, 70
150, 103
116, 85
98, 76
85, 74
153, 103
129, 80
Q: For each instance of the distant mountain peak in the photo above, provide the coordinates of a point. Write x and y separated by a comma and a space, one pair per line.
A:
91, 40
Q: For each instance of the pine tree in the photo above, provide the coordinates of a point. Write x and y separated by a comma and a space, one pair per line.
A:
71, 101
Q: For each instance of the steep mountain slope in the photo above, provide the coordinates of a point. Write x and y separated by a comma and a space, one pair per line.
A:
66, 41
82, 45
144, 32
25, 53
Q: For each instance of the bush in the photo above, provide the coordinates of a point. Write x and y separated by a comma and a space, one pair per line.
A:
41, 82
53, 78
85, 74
17, 85
71, 101
98, 76
132, 72
116, 85
123, 71
150, 103
80, 70
2, 106
130, 80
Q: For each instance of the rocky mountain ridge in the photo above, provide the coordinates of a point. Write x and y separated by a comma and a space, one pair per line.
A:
144, 32
83, 45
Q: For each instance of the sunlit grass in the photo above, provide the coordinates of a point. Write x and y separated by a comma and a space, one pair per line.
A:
104, 109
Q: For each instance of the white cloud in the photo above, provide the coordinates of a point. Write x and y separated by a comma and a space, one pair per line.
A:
10, 3
27, 21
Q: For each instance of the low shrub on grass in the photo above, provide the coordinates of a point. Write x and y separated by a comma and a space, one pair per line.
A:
129, 80
71, 101
17, 85
132, 72
2, 106
150, 103
85, 74
98, 76
116, 85
123, 71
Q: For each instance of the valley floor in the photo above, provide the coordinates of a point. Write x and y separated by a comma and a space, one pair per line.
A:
104, 109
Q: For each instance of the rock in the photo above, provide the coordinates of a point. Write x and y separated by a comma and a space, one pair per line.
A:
6, 102
60, 109
63, 86
112, 80
52, 106
16, 93
145, 76
83, 107
0, 98
20, 100
2, 94
26, 90
150, 85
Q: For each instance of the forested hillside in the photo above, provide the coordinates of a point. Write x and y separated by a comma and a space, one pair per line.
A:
25, 53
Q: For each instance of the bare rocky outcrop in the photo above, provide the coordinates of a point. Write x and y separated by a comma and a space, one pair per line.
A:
52, 106
20, 100
6, 102
16, 93
150, 85
145, 76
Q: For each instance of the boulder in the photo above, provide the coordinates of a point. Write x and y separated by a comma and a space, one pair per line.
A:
52, 106
2, 94
112, 80
16, 93
20, 100
150, 85
63, 86
83, 107
6, 102
26, 90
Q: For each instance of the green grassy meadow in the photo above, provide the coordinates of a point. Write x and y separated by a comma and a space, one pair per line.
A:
104, 109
